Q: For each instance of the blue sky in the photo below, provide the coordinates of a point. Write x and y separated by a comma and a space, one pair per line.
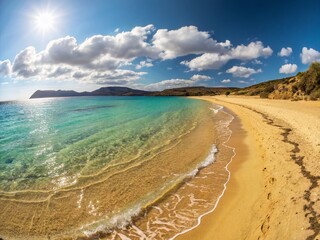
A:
152, 44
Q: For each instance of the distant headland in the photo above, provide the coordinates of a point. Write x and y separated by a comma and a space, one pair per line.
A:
305, 85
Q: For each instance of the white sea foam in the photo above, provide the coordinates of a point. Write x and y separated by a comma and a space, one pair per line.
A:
124, 219
80, 199
210, 158
216, 110
119, 220
227, 124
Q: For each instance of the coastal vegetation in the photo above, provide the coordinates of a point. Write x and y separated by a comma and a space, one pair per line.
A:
303, 86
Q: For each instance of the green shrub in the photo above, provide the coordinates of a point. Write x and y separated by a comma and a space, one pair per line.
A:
313, 98
241, 93
264, 95
294, 89
315, 94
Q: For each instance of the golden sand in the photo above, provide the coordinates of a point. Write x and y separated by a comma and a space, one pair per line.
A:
273, 192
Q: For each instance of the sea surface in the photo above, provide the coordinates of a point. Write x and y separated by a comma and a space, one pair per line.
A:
110, 167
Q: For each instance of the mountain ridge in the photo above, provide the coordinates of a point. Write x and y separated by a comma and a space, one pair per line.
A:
104, 91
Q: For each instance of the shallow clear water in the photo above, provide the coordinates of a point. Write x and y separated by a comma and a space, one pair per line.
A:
72, 166
48, 144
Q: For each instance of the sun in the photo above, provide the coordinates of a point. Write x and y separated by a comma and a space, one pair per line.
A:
45, 21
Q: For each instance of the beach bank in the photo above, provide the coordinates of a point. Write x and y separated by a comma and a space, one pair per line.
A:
273, 192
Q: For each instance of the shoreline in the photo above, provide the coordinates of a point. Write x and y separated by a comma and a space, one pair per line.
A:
264, 197
225, 144
216, 225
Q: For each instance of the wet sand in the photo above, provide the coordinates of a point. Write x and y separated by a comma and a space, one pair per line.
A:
273, 192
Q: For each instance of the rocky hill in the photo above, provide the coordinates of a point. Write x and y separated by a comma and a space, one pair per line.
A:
118, 91
104, 91
193, 91
305, 85
124, 91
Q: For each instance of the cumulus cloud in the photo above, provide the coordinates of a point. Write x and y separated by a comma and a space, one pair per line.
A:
177, 83
26, 63
288, 68
243, 72
142, 64
243, 82
256, 62
226, 81
106, 59
171, 83
285, 52
102, 51
117, 74
252, 51
102, 55
98, 59
186, 40
309, 55
29, 64
207, 61
198, 77
5, 67
61, 71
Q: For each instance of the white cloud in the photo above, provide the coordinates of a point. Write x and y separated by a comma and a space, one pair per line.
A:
102, 51
143, 64
288, 68
309, 55
243, 82
104, 59
26, 63
186, 40
177, 83
207, 61
62, 70
256, 62
98, 59
116, 77
243, 72
171, 83
29, 64
5, 67
252, 51
226, 81
285, 52
198, 77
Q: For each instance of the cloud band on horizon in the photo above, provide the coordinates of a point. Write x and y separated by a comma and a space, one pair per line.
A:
112, 59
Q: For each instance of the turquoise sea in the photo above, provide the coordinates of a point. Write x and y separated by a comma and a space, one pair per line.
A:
84, 166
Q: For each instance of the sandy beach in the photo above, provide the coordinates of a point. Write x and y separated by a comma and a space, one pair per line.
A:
274, 188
